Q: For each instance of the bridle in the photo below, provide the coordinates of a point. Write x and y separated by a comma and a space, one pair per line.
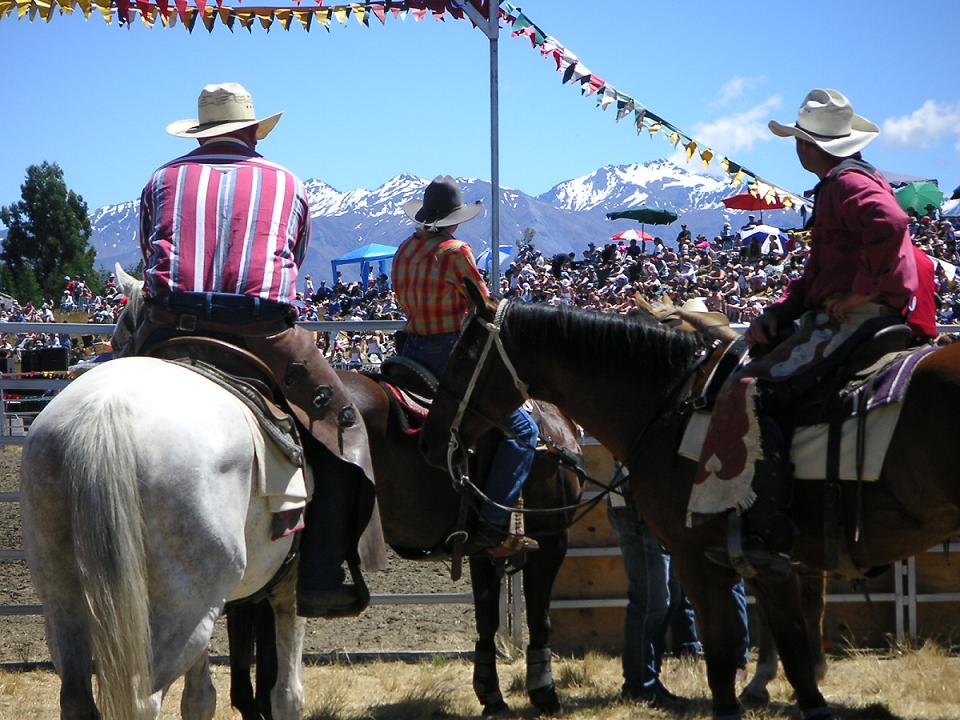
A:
454, 444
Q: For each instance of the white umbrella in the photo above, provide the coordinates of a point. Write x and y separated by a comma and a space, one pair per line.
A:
770, 238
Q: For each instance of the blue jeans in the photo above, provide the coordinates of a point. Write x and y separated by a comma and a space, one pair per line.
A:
655, 601
514, 456
648, 599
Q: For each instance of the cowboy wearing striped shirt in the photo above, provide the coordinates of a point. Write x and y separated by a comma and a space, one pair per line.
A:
223, 233
429, 270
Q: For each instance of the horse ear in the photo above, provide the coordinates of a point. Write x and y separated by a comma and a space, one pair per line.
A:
128, 283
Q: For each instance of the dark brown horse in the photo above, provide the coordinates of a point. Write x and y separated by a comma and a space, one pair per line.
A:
418, 511
621, 379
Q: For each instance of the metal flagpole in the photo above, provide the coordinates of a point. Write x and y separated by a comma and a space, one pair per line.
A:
491, 28
493, 32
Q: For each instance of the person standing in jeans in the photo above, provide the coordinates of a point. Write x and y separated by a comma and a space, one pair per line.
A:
655, 602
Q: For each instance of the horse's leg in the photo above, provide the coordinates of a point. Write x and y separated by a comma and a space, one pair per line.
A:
486, 606
199, 699
265, 624
710, 588
755, 693
241, 624
539, 575
813, 595
69, 643
287, 693
779, 602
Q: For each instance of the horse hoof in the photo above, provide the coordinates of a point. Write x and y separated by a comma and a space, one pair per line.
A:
545, 700
495, 708
755, 697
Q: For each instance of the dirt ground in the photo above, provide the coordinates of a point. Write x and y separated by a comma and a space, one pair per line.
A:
382, 628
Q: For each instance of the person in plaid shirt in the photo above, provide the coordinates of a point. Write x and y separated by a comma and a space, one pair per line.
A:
429, 271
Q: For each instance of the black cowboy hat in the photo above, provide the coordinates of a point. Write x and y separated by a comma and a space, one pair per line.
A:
442, 204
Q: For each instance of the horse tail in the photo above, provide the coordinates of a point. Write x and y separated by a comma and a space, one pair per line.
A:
100, 468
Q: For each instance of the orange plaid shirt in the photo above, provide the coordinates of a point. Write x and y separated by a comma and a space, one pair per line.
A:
428, 275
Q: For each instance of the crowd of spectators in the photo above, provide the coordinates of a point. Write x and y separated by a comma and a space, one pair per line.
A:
732, 277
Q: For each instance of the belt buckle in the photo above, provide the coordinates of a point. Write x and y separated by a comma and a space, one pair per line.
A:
187, 323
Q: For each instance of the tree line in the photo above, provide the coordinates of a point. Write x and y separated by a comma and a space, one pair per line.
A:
47, 238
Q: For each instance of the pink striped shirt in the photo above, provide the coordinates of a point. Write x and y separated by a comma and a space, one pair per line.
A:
224, 219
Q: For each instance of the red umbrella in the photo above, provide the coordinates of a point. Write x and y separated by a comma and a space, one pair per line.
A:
746, 201
638, 235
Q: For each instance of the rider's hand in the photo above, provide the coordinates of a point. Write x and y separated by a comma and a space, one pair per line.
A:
763, 329
837, 306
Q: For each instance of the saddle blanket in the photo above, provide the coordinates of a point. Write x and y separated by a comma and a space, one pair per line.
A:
885, 385
286, 485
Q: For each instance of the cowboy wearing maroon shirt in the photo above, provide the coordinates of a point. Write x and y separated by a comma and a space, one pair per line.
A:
861, 275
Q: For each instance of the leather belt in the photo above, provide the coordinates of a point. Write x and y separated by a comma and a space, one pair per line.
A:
186, 322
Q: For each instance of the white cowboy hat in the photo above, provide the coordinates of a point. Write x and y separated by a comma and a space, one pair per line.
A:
222, 109
826, 119
442, 204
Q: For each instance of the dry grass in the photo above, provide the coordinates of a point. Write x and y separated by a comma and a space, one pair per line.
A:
921, 684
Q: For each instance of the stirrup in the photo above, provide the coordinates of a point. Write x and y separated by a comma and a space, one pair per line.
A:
737, 557
513, 545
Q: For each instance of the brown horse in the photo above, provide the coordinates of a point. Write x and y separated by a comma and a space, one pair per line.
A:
621, 380
418, 510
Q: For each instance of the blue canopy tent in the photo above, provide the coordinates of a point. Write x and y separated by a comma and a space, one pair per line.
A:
485, 258
365, 255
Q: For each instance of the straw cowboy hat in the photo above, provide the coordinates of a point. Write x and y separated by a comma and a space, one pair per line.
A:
222, 109
442, 204
826, 119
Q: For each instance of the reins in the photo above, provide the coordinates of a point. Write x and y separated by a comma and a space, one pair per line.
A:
458, 471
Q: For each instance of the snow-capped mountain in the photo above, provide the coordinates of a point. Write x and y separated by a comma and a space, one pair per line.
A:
565, 218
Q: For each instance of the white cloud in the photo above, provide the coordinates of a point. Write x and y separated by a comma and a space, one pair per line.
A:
731, 134
735, 88
925, 125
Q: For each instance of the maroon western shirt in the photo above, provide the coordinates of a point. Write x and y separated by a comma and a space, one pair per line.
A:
860, 243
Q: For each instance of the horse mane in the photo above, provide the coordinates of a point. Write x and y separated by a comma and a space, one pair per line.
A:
596, 341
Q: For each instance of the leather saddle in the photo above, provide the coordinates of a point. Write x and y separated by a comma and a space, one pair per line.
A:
245, 376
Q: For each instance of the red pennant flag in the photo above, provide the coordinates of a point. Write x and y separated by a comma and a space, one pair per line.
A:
164, 7
123, 10
144, 7
181, 10
379, 12
202, 7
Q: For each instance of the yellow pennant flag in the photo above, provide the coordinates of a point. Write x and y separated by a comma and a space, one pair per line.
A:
66, 7
706, 156
738, 178
788, 202
44, 7
341, 13
245, 17
674, 138
725, 164
209, 17
265, 16
285, 16
305, 17
323, 17
691, 148
106, 9
359, 13
5, 7
755, 189
654, 129
22, 7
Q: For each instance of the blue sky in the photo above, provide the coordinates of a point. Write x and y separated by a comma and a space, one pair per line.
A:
365, 104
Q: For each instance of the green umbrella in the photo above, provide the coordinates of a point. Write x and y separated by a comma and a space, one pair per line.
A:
917, 195
644, 215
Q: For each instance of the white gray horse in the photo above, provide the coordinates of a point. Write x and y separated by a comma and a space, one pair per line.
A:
141, 518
